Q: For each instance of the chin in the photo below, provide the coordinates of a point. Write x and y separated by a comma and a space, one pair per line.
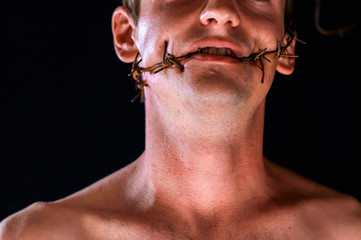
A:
217, 89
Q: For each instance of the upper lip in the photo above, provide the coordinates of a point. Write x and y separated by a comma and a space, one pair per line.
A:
216, 43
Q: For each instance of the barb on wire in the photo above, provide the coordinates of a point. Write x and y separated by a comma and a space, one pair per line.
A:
170, 60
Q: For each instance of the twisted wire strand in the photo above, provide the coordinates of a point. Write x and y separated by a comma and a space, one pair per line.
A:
170, 60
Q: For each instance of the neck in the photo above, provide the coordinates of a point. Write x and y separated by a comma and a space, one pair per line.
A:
205, 162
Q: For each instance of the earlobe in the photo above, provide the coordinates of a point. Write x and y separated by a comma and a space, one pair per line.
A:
123, 27
286, 65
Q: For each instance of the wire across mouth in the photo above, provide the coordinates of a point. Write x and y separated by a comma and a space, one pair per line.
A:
170, 60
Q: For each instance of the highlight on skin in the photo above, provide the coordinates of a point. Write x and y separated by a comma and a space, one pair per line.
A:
133, 8
170, 60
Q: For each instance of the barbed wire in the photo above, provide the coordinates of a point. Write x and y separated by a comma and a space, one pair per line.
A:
169, 60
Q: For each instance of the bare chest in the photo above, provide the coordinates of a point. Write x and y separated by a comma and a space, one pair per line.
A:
166, 231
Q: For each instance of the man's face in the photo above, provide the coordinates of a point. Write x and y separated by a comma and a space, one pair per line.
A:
242, 26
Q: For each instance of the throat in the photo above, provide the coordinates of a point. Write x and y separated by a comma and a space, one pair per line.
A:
207, 182
201, 164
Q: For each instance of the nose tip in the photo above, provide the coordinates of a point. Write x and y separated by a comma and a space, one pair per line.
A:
219, 12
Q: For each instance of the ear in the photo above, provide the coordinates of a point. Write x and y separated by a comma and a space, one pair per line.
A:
286, 65
123, 31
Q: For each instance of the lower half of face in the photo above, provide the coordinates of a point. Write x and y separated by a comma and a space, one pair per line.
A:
207, 79
208, 83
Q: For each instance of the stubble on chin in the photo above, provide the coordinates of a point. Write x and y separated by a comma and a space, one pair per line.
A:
215, 86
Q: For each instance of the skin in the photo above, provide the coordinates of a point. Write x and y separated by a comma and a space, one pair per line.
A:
202, 174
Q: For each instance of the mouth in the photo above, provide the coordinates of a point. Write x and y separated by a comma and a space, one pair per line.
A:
217, 51
217, 48
215, 54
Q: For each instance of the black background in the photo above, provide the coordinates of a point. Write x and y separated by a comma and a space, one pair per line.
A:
67, 121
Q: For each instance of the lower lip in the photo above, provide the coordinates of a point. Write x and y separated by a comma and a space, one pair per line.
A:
215, 58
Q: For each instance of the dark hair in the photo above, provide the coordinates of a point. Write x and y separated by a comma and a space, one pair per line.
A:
289, 15
133, 7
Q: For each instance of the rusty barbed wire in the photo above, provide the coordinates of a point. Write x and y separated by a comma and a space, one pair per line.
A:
170, 60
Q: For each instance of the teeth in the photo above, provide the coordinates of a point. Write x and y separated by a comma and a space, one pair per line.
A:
213, 51
229, 52
218, 51
222, 51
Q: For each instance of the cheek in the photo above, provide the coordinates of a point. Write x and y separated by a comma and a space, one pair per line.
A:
148, 39
163, 21
150, 31
267, 27
275, 31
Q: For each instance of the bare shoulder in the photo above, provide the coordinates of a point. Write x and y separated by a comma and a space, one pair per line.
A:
332, 214
77, 216
338, 217
38, 221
